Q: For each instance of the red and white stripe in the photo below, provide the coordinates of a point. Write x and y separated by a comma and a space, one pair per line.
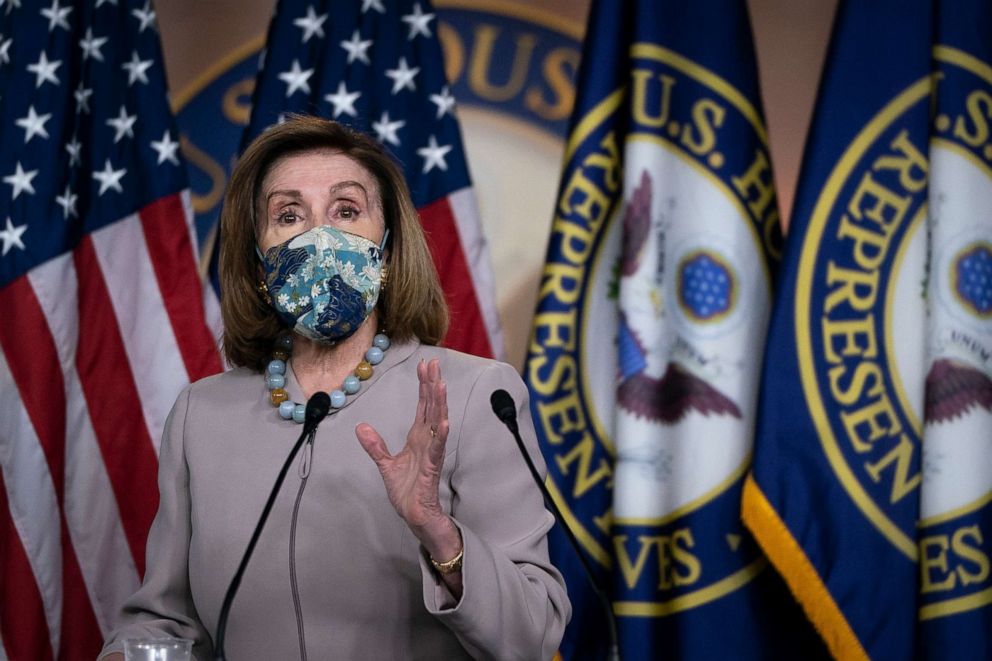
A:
211, 303
458, 247
96, 345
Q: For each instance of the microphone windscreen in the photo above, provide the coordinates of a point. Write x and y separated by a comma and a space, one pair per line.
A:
503, 405
317, 407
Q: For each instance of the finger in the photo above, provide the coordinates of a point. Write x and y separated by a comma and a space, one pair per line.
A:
437, 409
438, 443
372, 443
434, 370
439, 422
442, 402
433, 400
424, 393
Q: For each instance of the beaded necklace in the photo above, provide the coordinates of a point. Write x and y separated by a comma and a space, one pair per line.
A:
275, 377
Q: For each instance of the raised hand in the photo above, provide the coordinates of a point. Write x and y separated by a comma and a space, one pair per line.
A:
412, 475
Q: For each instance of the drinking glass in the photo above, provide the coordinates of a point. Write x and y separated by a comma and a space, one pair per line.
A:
157, 649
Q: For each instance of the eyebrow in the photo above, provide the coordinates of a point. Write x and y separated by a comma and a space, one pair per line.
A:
344, 185
287, 193
335, 189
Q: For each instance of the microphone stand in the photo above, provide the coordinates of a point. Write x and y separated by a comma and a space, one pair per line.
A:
317, 410
506, 411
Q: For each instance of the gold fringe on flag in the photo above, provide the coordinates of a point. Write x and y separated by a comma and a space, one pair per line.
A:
803, 580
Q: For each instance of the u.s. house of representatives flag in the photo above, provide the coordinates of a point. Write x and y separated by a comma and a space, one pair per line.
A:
647, 342
376, 65
101, 319
872, 484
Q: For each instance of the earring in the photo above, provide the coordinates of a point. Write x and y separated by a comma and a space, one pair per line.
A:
263, 292
383, 278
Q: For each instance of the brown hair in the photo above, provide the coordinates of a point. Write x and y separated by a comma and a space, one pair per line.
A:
411, 303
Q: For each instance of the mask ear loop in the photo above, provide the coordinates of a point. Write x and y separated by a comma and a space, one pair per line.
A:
385, 268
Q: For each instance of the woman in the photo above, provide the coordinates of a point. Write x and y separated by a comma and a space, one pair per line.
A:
426, 538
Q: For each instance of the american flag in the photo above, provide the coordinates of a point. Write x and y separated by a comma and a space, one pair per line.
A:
376, 65
101, 316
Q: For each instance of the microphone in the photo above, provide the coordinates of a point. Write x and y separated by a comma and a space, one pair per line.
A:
318, 406
506, 411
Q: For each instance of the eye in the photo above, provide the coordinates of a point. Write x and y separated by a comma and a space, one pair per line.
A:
347, 212
286, 214
287, 217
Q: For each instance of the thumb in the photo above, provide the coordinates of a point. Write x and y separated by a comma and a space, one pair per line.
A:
372, 443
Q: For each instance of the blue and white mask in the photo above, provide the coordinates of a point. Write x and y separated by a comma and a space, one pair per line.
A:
324, 283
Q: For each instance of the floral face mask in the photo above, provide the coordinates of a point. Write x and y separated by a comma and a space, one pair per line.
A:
324, 283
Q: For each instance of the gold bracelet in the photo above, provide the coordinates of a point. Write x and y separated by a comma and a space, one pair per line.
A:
451, 566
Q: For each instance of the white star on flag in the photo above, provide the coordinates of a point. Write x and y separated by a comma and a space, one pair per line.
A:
166, 149
145, 16
123, 124
11, 236
386, 130
44, 70
418, 21
311, 24
444, 102
403, 76
343, 100
91, 45
82, 95
5, 50
296, 79
21, 181
33, 124
136, 69
68, 203
109, 178
433, 155
357, 48
75, 148
373, 4
57, 16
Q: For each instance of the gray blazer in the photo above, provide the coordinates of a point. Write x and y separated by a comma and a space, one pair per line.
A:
366, 589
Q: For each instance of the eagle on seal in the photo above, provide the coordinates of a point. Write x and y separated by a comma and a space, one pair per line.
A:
669, 399
953, 389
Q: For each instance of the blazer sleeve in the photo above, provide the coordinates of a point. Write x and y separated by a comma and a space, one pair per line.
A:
162, 606
514, 604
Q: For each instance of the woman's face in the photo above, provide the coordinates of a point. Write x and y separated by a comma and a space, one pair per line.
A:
306, 190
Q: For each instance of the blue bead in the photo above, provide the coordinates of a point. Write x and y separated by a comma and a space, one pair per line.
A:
338, 398
285, 342
381, 341
275, 381
352, 384
277, 367
286, 410
374, 355
299, 413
